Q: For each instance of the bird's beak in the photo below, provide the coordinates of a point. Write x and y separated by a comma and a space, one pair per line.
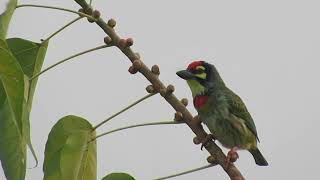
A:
184, 74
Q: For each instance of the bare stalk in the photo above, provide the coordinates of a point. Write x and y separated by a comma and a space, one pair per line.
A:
134, 126
67, 59
62, 28
56, 8
123, 110
186, 172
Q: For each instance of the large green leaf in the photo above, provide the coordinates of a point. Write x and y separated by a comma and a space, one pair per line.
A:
12, 103
30, 56
118, 176
20, 59
68, 155
6, 17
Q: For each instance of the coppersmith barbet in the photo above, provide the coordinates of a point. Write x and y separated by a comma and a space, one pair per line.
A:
221, 110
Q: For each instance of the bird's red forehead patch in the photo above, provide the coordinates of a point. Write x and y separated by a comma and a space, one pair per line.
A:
194, 64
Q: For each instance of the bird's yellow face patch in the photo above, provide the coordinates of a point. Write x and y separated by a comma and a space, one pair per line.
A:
200, 72
196, 87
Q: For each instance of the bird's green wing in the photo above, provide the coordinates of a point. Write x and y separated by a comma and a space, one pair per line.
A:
238, 108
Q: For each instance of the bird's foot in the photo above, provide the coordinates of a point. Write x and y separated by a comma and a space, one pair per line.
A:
208, 138
232, 156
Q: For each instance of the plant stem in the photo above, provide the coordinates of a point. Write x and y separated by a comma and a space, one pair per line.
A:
136, 125
185, 172
62, 28
123, 110
57, 8
68, 58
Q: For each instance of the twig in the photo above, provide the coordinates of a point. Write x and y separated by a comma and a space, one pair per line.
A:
62, 28
186, 172
136, 125
211, 147
123, 110
56, 8
68, 58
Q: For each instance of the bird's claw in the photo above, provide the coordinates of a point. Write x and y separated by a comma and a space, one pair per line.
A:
205, 141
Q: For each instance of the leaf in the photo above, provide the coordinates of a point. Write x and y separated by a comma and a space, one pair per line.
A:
6, 17
16, 66
30, 56
68, 156
118, 176
12, 135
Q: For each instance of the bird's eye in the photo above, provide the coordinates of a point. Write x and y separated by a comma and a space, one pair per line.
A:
198, 71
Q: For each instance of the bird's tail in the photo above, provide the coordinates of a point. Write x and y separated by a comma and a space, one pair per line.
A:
258, 158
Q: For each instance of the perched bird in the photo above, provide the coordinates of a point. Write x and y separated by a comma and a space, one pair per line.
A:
222, 111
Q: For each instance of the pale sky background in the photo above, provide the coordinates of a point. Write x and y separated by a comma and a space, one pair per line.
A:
266, 51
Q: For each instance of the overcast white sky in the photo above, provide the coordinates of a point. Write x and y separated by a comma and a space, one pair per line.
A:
266, 51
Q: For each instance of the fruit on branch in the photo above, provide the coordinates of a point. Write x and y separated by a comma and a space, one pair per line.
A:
122, 43
129, 42
150, 89
221, 109
112, 23
155, 69
107, 40
96, 14
137, 64
184, 101
196, 140
170, 89
132, 70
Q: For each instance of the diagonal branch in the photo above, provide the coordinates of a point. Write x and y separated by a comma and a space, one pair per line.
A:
158, 86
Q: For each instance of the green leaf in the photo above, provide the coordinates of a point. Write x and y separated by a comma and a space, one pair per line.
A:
12, 102
20, 59
30, 56
68, 156
118, 176
6, 17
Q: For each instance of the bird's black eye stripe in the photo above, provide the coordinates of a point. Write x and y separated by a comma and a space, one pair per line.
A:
198, 71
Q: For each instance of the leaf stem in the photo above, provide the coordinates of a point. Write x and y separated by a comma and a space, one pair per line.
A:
186, 172
57, 8
123, 110
136, 125
62, 28
68, 58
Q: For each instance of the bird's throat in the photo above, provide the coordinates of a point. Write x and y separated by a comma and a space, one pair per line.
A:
200, 100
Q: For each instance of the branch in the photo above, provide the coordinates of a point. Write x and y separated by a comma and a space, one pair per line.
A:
158, 86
